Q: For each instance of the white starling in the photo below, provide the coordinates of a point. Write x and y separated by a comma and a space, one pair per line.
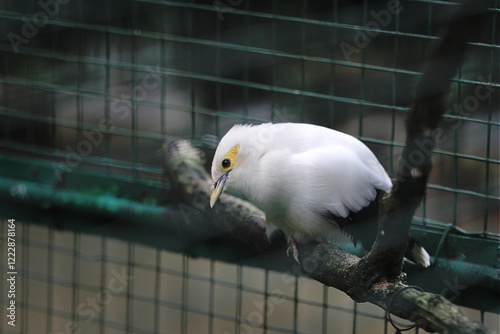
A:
312, 182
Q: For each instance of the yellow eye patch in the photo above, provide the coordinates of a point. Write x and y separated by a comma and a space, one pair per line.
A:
230, 158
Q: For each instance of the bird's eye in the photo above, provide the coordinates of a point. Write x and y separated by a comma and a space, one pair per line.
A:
226, 163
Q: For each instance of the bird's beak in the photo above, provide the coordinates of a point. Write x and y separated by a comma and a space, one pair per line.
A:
218, 188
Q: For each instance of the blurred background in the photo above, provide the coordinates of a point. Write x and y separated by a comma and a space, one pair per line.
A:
91, 90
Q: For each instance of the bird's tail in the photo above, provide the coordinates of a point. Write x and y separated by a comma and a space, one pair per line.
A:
417, 254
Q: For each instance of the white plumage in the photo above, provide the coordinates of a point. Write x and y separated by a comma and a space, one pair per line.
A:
298, 174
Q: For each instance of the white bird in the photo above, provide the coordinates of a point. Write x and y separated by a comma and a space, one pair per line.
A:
312, 182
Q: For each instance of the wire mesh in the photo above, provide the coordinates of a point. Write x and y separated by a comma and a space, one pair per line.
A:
78, 283
101, 85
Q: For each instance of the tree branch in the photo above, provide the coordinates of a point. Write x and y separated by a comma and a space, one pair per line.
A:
396, 209
326, 263
377, 276
240, 219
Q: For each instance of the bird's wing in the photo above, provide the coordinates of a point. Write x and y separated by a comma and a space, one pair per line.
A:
338, 179
302, 138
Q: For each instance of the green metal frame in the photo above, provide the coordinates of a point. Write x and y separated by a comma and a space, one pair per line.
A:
134, 201
466, 267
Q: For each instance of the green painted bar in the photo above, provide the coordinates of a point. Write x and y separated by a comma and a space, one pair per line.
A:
467, 270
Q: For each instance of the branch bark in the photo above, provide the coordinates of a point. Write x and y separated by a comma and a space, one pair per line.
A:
360, 278
238, 218
377, 276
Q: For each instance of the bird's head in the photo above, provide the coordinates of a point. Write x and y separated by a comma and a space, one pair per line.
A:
233, 162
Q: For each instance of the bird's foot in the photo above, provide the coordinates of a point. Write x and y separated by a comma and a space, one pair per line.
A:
292, 247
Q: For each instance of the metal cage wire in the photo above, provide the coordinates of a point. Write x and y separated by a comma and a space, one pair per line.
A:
99, 86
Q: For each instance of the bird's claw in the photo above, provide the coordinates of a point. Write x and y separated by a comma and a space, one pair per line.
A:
293, 249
